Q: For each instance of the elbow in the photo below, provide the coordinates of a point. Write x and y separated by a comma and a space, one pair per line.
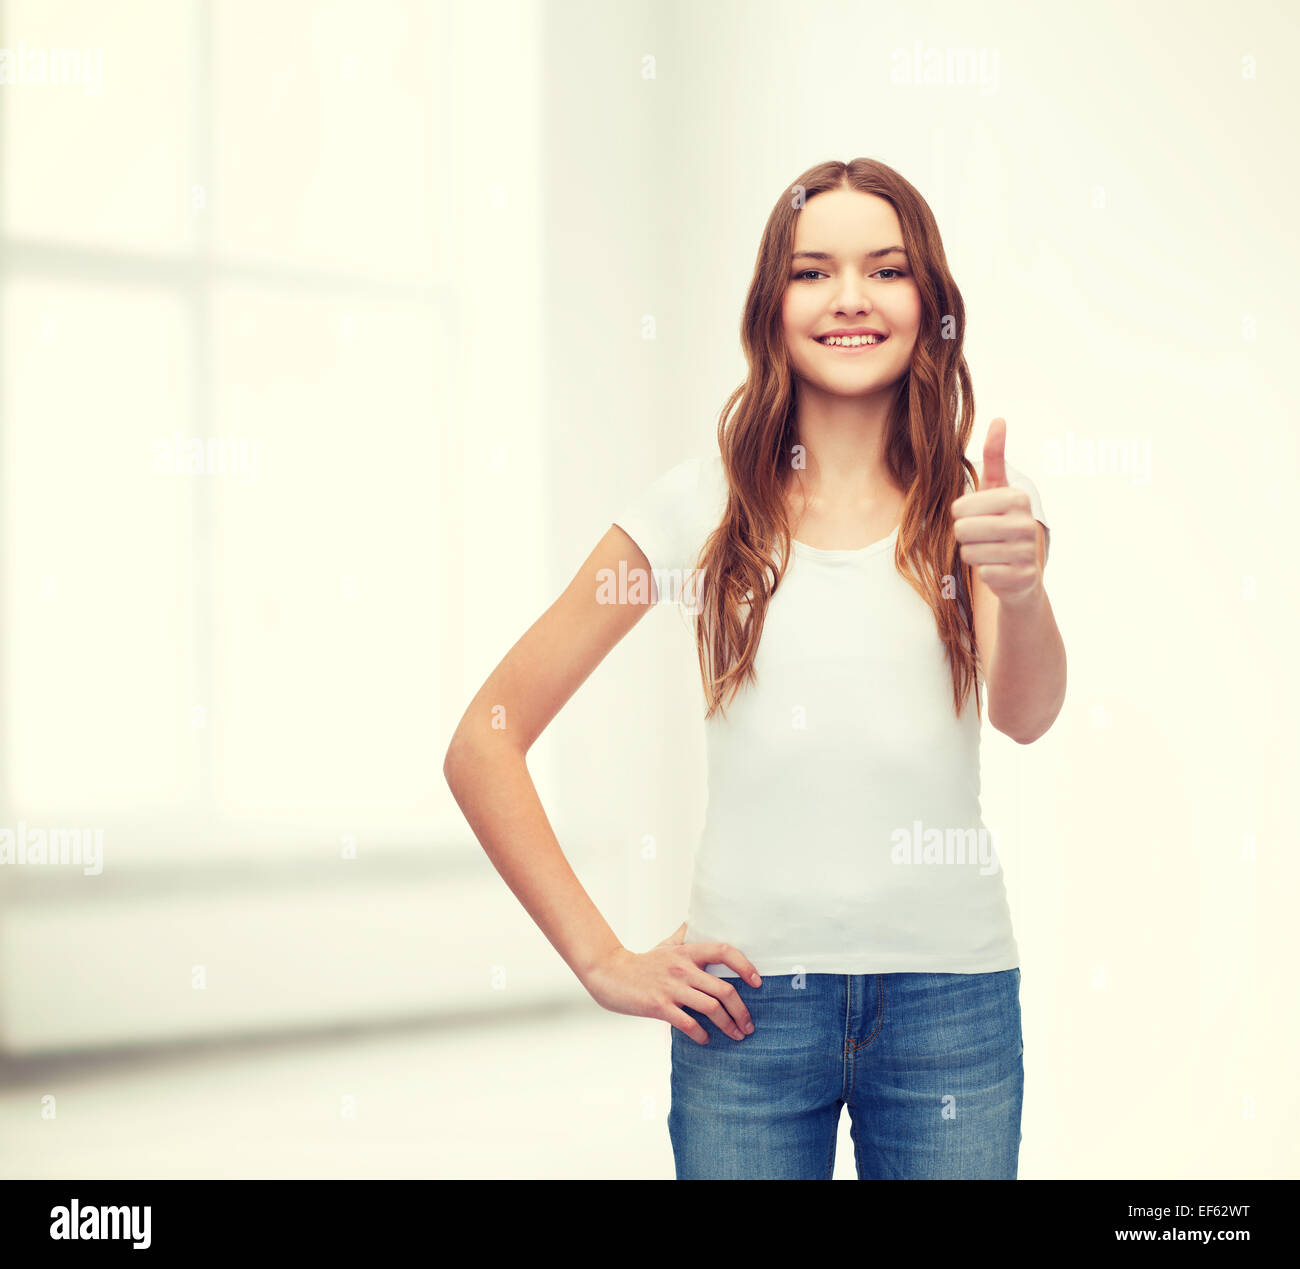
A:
1023, 735
453, 761
1026, 723
467, 756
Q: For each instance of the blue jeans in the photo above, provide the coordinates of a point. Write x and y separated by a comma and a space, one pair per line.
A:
929, 1065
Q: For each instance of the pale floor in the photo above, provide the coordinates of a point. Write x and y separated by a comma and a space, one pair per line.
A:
576, 1094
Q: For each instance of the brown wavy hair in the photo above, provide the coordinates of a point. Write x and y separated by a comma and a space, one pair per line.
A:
929, 425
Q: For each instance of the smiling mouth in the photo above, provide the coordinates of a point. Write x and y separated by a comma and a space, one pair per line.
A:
852, 342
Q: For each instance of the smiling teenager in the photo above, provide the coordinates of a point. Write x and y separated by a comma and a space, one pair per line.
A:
848, 940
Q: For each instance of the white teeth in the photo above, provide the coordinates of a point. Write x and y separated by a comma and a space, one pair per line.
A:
852, 341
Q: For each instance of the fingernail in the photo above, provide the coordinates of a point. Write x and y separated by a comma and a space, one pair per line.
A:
749, 1028
756, 980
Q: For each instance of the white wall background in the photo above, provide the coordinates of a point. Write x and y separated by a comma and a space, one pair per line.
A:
416, 274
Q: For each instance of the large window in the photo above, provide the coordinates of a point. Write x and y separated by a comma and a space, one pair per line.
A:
236, 280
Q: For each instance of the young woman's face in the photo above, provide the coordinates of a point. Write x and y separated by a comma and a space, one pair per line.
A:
838, 283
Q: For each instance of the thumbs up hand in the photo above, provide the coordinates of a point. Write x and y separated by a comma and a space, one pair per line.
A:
996, 529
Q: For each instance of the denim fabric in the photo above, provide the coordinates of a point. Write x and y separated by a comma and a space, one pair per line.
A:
929, 1065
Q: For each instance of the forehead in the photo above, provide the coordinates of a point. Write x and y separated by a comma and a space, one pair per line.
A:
846, 221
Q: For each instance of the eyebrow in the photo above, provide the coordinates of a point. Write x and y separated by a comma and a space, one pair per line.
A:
869, 255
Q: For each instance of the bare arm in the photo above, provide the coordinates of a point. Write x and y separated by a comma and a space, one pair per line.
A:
486, 768
1024, 654
1016, 635
487, 772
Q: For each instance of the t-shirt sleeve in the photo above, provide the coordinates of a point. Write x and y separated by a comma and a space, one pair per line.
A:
663, 517
1018, 479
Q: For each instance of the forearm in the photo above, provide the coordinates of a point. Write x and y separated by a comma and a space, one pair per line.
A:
494, 789
1026, 681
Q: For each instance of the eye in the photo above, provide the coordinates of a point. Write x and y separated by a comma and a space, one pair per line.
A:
898, 273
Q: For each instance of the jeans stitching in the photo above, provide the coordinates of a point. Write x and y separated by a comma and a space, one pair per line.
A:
846, 1091
880, 1014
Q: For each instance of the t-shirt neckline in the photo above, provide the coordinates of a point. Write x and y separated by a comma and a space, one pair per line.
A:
847, 554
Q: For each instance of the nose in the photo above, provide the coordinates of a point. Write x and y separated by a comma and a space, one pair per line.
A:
853, 296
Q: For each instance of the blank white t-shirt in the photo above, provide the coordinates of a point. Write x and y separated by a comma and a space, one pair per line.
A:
843, 833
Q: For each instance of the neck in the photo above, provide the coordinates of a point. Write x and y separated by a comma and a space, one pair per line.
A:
843, 454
